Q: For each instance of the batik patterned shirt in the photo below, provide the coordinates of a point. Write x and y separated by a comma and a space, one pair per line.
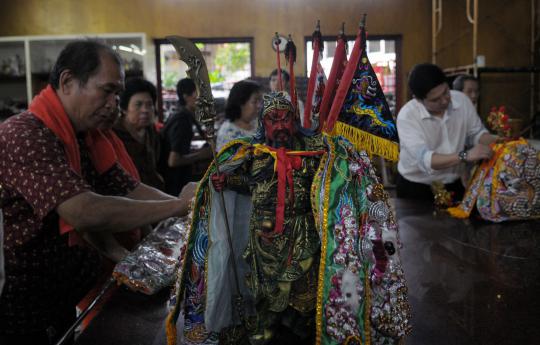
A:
44, 276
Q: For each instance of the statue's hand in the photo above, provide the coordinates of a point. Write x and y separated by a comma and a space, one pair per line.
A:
218, 181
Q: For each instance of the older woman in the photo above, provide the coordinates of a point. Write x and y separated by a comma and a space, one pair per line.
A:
241, 111
136, 129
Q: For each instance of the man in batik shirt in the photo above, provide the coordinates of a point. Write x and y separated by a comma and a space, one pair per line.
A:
62, 179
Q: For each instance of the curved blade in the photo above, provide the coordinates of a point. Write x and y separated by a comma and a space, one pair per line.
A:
192, 56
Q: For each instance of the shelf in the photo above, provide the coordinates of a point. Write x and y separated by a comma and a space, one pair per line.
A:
133, 74
525, 69
38, 53
45, 76
12, 78
40, 76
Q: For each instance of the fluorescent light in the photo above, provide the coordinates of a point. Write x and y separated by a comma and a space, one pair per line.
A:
126, 49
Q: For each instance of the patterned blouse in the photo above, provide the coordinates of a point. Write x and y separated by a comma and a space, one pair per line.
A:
229, 131
45, 278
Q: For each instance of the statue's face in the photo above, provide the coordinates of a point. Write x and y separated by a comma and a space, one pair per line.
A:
279, 127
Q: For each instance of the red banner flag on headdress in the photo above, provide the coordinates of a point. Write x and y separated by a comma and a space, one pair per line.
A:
336, 73
359, 111
290, 55
316, 82
277, 42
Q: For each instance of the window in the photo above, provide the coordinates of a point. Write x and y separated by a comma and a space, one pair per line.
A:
227, 60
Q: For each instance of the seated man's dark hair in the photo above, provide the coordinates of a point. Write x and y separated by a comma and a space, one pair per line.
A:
459, 82
424, 77
82, 58
184, 86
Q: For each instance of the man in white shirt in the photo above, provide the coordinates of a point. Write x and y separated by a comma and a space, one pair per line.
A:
434, 129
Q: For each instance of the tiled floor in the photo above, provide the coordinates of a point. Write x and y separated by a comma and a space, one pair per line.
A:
470, 282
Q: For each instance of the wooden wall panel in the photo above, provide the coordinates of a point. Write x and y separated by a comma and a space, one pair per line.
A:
504, 37
503, 29
503, 33
227, 18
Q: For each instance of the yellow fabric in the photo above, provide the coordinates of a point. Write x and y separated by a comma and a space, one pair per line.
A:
372, 144
463, 210
458, 212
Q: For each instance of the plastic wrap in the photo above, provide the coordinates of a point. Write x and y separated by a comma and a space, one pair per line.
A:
152, 265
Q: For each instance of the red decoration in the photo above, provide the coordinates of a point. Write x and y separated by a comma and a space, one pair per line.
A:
498, 121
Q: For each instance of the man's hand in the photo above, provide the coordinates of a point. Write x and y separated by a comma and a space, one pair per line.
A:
218, 181
188, 191
186, 197
479, 152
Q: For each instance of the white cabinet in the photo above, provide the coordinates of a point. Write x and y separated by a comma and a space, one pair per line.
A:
26, 61
13, 92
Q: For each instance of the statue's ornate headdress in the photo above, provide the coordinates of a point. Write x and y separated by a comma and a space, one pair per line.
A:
276, 100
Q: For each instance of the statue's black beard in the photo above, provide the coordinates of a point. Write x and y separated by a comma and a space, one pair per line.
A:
277, 143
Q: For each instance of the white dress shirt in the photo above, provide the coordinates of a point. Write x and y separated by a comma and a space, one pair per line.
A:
421, 135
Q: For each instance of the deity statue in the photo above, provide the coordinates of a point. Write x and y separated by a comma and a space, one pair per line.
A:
283, 246
311, 253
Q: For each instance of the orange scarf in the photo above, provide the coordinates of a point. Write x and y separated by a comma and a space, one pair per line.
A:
104, 146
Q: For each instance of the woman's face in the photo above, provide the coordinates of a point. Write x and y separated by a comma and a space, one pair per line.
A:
140, 112
250, 110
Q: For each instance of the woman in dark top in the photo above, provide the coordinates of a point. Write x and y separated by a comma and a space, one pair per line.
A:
177, 158
136, 129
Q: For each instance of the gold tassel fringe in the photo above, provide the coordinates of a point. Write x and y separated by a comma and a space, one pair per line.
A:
372, 144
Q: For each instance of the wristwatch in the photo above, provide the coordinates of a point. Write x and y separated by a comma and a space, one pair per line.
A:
463, 155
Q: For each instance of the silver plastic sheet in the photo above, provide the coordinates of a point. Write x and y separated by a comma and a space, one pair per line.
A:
152, 265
